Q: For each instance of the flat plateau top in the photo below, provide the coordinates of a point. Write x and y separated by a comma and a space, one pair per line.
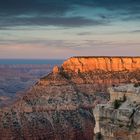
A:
105, 57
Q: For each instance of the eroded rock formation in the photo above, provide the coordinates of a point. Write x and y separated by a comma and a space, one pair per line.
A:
120, 118
60, 105
102, 72
53, 109
88, 64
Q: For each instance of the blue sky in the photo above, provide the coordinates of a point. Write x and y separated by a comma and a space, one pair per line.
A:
62, 28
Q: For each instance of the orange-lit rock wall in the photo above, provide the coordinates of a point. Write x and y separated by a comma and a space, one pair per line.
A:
86, 64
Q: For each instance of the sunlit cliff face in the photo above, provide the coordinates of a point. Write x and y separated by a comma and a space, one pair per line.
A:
87, 64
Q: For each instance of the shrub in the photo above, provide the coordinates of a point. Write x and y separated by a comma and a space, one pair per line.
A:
124, 98
137, 84
99, 136
65, 75
117, 104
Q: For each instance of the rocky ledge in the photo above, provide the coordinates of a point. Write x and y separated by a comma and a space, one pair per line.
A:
60, 105
119, 119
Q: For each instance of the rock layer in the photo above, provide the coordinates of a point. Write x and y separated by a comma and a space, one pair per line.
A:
59, 106
120, 117
101, 72
53, 109
88, 64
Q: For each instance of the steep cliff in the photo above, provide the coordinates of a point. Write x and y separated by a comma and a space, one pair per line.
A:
120, 117
101, 72
59, 106
88, 64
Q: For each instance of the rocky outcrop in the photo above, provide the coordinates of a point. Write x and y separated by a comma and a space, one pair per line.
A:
120, 117
130, 91
60, 105
55, 70
101, 72
88, 64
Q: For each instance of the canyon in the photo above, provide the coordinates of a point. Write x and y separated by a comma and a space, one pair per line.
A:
17, 78
61, 105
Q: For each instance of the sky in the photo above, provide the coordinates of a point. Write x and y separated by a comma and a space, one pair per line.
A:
58, 29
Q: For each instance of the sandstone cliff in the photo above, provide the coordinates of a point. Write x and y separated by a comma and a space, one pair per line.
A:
101, 72
88, 64
59, 106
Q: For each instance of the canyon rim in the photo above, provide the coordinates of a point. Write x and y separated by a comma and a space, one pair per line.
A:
62, 105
